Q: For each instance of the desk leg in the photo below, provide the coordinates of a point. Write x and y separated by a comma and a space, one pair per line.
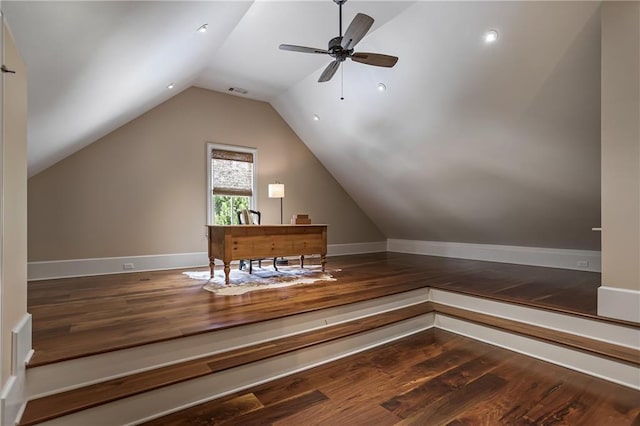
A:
227, 269
212, 265
323, 259
302, 261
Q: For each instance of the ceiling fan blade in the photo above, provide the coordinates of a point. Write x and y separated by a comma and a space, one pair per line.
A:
329, 71
357, 29
303, 49
376, 59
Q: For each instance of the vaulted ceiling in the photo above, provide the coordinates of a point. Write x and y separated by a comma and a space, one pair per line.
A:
473, 142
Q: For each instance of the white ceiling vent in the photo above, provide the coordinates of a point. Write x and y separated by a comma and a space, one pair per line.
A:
238, 90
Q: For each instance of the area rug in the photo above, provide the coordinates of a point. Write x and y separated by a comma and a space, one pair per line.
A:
241, 282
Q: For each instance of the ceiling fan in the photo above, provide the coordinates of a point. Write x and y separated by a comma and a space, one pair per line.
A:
341, 47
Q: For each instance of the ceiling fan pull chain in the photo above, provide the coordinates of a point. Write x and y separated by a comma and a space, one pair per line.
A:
342, 82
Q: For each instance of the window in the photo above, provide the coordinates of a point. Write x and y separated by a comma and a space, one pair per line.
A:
231, 182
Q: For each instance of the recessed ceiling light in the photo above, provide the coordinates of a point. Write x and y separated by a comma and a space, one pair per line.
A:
171, 86
382, 87
203, 28
316, 117
490, 36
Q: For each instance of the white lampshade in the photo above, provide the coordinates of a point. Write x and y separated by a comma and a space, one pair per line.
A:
276, 190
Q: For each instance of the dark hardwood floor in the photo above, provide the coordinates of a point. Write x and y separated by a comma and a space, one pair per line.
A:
432, 378
88, 315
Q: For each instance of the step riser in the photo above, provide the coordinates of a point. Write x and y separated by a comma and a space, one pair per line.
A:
54, 378
581, 326
146, 406
593, 365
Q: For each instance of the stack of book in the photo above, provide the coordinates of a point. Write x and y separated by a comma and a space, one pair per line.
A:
300, 219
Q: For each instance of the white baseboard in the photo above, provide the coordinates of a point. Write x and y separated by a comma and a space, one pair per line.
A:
112, 265
13, 398
356, 248
115, 265
548, 257
619, 303
534, 256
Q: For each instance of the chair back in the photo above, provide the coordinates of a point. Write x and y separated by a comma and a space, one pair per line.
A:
248, 217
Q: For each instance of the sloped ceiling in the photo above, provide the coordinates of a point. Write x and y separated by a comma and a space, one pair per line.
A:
471, 142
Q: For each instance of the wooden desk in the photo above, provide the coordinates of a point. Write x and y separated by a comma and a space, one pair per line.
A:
236, 242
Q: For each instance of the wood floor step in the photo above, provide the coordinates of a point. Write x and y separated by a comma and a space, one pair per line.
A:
64, 403
535, 305
596, 347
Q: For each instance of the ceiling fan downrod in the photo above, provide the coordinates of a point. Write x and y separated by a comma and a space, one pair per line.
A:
340, 3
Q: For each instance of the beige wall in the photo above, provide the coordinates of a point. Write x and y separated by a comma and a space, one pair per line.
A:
14, 197
621, 145
141, 190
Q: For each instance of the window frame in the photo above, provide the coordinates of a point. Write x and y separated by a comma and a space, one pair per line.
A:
253, 200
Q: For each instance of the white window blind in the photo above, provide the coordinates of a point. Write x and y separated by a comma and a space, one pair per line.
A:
232, 172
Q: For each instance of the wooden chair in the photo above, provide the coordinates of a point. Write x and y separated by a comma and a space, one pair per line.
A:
251, 217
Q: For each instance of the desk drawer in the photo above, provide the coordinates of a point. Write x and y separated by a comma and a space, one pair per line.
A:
253, 246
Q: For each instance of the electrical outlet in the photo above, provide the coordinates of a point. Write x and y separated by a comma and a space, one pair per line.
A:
583, 263
127, 266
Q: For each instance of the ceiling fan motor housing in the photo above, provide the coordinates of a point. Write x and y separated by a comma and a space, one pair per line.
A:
336, 50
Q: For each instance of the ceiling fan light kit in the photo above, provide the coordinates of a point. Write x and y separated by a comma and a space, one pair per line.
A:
340, 48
